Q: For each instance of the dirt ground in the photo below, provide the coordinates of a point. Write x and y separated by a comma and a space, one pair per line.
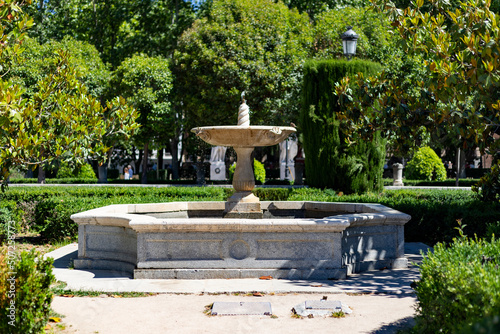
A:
184, 313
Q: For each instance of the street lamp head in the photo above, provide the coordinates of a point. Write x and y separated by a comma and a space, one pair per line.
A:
349, 42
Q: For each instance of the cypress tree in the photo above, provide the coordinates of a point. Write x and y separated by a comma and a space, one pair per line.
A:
330, 161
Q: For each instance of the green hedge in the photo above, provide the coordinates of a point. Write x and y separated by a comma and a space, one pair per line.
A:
434, 212
331, 163
460, 287
445, 183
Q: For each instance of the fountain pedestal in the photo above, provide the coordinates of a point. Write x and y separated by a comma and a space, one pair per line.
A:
243, 204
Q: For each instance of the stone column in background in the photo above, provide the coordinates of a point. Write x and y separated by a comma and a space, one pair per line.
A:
397, 170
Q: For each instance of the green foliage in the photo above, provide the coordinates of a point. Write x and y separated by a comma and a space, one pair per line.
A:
488, 325
117, 28
259, 172
84, 171
332, 161
488, 188
426, 165
257, 46
34, 65
375, 41
28, 294
458, 44
459, 285
434, 212
61, 121
146, 83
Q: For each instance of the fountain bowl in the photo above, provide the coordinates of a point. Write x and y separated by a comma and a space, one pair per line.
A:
243, 136
191, 240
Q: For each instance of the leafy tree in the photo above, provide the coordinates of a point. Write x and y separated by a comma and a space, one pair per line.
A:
146, 83
315, 7
117, 28
61, 121
33, 65
375, 41
156, 27
459, 91
242, 45
103, 23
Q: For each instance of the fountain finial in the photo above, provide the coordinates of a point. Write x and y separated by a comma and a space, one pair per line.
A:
243, 113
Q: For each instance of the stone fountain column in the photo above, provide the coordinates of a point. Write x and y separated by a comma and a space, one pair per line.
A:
243, 137
243, 204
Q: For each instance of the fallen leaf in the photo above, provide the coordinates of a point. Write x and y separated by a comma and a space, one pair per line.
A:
68, 296
257, 294
266, 277
48, 327
54, 319
316, 285
117, 296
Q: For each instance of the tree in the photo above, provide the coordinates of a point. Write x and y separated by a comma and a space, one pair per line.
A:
315, 7
103, 23
242, 45
61, 121
146, 83
33, 65
459, 92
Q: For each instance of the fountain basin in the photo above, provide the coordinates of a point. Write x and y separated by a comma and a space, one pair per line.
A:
191, 240
243, 136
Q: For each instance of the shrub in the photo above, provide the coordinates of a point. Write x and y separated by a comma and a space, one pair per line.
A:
459, 285
25, 296
259, 172
426, 165
83, 172
488, 187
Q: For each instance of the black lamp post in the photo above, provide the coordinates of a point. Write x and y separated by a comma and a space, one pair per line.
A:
349, 42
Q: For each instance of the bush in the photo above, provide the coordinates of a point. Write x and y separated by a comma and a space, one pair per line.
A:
459, 285
426, 165
259, 172
331, 162
25, 296
83, 172
488, 187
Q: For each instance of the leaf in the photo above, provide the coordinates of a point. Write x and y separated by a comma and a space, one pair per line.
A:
266, 277
55, 319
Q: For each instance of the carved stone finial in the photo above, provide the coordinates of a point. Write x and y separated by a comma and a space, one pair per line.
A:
243, 112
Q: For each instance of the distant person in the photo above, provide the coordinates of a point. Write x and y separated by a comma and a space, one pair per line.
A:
126, 174
130, 172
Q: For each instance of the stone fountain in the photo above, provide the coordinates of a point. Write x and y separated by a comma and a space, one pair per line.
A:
243, 138
243, 237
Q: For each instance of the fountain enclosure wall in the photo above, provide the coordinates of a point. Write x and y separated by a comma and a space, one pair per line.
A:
191, 240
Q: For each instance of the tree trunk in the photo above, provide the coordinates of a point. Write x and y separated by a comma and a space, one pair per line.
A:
103, 173
175, 161
41, 174
138, 163
459, 166
159, 163
144, 179
200, 173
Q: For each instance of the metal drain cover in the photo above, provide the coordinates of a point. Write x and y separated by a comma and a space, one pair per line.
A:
323, 305
241, 308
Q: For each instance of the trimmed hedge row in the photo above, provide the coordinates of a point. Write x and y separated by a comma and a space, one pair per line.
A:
434, 212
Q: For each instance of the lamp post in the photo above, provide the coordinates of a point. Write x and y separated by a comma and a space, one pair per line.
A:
349, 42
